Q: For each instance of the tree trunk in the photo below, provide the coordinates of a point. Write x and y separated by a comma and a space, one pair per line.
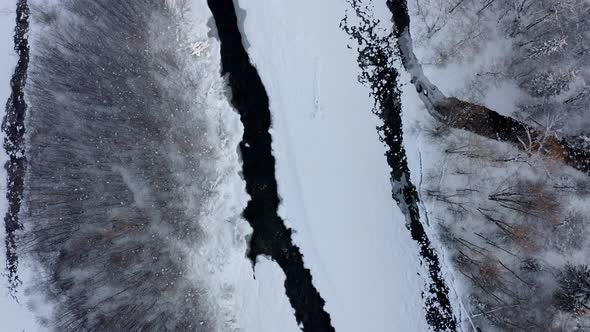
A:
478, 119
487, 123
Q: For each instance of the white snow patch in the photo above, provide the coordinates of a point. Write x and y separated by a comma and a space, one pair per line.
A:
268, 308
332, 174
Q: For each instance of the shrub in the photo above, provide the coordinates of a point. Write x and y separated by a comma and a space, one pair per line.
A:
573, 294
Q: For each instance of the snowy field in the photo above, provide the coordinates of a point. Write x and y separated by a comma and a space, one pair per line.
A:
332, 173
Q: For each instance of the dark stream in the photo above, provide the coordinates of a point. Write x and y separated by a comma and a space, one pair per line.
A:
13, 126
377, 53
271, 237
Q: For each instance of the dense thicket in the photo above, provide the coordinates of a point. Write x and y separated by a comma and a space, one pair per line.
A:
573, 294
121, 167
514, 221
539, 46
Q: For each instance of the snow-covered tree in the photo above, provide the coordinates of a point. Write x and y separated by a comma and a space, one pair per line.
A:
573, 294
130, 152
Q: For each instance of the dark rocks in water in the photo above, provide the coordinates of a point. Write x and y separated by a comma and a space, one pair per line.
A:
376, 60
13, 126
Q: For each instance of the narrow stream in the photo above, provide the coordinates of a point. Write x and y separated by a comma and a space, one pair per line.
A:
14, 129
377, 53
270, 237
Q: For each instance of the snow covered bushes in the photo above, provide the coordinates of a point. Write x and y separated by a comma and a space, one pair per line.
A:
538, 47
507, 223
510, 219
573, 294
132, 194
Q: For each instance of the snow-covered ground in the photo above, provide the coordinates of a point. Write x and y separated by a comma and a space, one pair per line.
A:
332, 174
265, 306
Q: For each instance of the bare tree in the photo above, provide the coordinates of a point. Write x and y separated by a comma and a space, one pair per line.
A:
573, 294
